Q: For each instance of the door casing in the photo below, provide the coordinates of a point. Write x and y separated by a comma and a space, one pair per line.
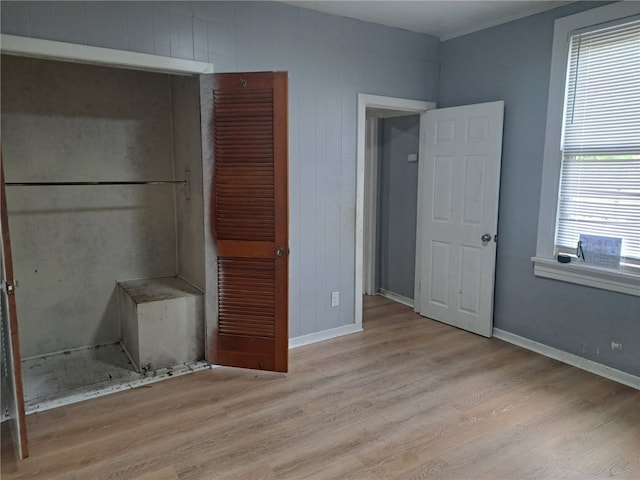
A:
366, 182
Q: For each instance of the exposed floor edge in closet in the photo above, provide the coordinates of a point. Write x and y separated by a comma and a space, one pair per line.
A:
76, 375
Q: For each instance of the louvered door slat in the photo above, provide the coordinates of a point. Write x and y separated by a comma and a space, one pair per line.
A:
242, 299
243, 123
250, 219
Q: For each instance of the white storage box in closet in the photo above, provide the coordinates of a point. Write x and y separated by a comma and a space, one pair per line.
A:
161, 321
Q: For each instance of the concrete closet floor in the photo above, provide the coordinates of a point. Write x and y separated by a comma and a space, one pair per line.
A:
71, 376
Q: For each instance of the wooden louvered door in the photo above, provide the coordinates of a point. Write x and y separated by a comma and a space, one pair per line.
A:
250, 220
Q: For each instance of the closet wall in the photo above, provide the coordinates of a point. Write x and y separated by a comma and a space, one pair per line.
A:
187, 152
71, 244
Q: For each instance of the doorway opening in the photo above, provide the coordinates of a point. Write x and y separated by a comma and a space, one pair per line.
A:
399, 120
111, 274
392, 208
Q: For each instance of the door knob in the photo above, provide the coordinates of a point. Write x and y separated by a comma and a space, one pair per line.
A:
279, 252
486, 237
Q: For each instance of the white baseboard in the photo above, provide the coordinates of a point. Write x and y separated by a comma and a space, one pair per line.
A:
569, 358
324, 335
396, 298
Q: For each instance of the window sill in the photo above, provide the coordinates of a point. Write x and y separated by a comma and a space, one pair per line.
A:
587, 275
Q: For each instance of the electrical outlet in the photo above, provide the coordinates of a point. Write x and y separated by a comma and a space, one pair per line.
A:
335, 299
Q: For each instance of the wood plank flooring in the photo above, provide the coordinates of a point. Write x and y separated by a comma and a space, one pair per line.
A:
409, 398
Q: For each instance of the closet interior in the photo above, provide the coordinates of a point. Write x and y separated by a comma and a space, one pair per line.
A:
103, 168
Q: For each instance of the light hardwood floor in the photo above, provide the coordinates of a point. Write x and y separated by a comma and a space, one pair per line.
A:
409, 398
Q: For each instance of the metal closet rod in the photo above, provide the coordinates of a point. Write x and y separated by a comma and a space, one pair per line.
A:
65, 184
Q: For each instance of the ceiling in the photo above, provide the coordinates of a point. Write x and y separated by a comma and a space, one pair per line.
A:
443, 19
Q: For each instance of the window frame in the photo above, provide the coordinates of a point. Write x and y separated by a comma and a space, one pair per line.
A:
545, 264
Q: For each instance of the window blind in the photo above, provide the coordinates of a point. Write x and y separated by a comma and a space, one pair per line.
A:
600, 175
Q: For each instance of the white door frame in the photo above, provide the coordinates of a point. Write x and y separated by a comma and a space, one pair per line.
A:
73, 52
365, 170
370, 220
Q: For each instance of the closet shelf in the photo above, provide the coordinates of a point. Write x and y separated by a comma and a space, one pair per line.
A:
66, 184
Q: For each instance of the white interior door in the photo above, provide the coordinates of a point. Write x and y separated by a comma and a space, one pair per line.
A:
458, 216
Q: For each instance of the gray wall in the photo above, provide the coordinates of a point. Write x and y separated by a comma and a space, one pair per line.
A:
187, 155
65, 122
330, 60
511, 62
397, 204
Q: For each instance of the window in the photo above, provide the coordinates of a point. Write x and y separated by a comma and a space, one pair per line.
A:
591, 170
600, 173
